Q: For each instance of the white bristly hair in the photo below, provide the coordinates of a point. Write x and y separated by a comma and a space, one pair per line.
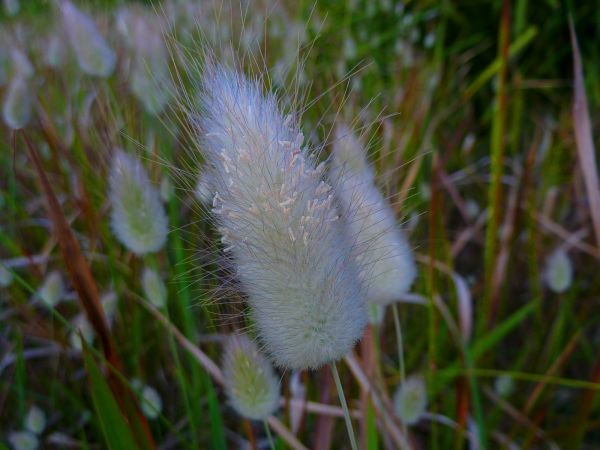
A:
383, 253
279, 224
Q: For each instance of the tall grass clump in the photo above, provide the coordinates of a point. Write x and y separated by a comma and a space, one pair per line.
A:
279, 223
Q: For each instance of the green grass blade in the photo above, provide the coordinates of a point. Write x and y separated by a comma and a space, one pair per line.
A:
114, 427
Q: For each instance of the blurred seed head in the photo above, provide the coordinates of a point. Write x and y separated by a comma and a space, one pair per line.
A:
382, 251
150, 401
138, 216
109, 301
410, 399
150, 78
504, 385
279, 225
94, 55
23, 440
250, 381
35, 420
18, 103
54, 53
11, 7
52, 290
6, 276
559, 271
154, 288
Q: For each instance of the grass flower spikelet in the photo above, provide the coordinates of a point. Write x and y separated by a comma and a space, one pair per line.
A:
138, 216
279, 223
410, 399
94, 55
250, 381
383, 253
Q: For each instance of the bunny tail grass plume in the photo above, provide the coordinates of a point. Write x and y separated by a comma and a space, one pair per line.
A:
279, 224
138, 216
154, 287
94, 55
410, 399
559, 271
383, 253
150, 79
250, 381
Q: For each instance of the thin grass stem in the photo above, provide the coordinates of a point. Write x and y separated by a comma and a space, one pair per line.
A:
269, 435
340, 391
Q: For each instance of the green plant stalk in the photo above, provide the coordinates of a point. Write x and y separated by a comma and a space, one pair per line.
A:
347, 419
497, 161
400, 347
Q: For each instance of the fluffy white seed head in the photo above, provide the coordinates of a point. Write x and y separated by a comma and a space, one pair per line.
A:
559, 271
504, 385
279, 224
94, 55
54, 49
11, 7
382, 251
23, 440
35, 420
150, 79
18, 103
82, 328
52, 289
251, 383
150, 401
410, 399
154, 288
138, 216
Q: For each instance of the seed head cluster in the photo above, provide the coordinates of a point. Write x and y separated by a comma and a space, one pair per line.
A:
279, 224
251, 384
382, 251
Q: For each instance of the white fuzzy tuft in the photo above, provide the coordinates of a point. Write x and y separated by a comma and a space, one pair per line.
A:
150, 401
383, 252
138, 216
559, 271
154, 288
94, 55
150, 79
52, 289
6, 276
250, 381
410, 399
35, 420
23, 440
279, 224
